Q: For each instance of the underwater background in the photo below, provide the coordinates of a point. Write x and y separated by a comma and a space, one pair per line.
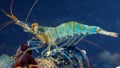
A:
103, 13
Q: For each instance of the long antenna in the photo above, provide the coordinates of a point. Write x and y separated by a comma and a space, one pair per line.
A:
30, 10
11, 7
94, 44
11, 13
5, 25
4, 11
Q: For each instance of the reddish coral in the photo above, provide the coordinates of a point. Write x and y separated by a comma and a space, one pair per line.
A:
27, 58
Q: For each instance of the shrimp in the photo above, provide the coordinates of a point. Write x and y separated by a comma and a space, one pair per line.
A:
52, 36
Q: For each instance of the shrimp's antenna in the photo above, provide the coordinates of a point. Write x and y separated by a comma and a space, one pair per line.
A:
4, 11
7, 14
11, 7
30, 10
11, 14
5, 25
94, 44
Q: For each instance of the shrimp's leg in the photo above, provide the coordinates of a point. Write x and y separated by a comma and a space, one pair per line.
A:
42, 53
32, 43
75, 38
61, 40
67, 56
46, 49
68, 41
81, 37
78, 41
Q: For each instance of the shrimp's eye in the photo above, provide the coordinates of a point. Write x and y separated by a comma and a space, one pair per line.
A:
34, 25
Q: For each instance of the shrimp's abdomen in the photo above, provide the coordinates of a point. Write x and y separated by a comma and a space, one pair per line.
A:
71, 28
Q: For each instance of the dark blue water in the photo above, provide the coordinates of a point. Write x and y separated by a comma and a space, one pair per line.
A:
103, 13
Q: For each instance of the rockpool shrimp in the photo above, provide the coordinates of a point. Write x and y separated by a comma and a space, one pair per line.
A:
52, 36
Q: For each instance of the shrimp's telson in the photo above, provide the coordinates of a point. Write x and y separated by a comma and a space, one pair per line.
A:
112, 34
